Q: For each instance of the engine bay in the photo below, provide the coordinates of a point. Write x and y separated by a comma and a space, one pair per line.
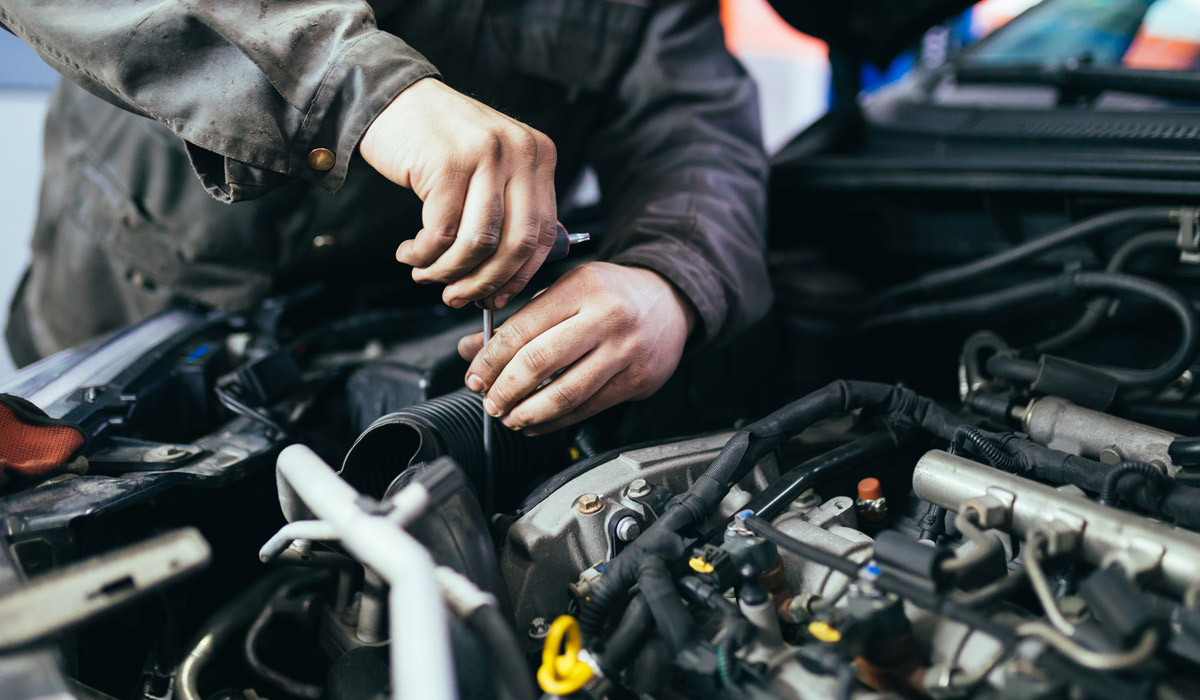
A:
294, 503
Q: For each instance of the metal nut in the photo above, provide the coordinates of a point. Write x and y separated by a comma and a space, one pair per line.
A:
590, 503
538, 628
639, 488
628, 529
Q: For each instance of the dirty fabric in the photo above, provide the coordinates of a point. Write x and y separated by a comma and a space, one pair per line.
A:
175, 109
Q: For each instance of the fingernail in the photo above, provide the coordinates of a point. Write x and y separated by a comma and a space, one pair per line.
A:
491, 409
457, 303
508, 423
501, 300
474, 383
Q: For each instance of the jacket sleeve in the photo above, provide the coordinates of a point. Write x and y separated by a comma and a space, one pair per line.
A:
683, 173
252, 88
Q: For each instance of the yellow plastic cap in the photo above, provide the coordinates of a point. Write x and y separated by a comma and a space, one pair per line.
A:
562, 672
824, 633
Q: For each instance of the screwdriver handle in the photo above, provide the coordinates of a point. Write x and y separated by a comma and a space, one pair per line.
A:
563, 242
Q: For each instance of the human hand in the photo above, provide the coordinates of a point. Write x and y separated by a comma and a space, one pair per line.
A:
487, 183
618, 332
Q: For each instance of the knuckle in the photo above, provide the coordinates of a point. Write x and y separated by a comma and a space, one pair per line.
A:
565, 396
524, 143
546, 150
534, 360
491, 147
526, 244
484, 288
442, 235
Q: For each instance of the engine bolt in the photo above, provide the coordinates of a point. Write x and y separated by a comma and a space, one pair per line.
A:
628, 529
639, 488
538, 629
590, 503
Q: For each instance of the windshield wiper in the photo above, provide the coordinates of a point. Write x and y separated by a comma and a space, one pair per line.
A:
1083, 79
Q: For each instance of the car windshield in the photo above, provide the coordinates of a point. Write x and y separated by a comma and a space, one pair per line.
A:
1134, 34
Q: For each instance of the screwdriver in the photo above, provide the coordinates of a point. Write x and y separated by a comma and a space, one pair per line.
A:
562, 245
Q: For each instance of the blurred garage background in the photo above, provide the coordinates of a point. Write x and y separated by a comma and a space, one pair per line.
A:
790, 68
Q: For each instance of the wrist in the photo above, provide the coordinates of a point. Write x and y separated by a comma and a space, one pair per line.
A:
684, 305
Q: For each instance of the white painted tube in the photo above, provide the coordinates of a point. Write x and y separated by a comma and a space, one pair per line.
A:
422, 666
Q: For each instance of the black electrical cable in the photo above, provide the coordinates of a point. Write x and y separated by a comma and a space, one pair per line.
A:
735, 460
1149, 473
1180, 503
1137, 216
505, 660
1100, 307
776, 497
998, 458
788, 543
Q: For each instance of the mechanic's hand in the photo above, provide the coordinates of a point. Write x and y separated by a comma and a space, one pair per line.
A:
617, 331
487, 183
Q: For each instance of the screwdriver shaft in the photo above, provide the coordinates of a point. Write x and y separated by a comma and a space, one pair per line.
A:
488, 458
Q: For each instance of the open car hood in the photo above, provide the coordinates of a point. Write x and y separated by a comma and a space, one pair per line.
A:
875, 30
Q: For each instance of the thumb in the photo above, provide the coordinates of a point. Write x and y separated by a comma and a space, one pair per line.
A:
470, 346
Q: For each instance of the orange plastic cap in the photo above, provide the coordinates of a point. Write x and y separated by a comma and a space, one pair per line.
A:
869, 489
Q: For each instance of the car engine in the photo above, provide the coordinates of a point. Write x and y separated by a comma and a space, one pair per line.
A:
295, 503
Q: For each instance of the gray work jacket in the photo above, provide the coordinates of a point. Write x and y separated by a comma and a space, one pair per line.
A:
239, 94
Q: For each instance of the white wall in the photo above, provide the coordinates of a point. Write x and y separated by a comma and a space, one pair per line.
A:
21, 114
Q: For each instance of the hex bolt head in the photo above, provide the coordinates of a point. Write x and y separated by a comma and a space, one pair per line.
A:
538, 628
639, 488
627, 529
590, 503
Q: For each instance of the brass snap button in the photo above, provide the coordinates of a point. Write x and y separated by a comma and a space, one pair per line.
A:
321, 159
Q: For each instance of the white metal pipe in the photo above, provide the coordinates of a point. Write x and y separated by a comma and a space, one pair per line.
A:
421, 661
315, 530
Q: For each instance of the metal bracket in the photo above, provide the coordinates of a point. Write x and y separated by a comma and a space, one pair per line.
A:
70, 595
1189, 235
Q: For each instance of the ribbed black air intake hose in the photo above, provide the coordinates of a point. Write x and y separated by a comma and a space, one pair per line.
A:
449, 425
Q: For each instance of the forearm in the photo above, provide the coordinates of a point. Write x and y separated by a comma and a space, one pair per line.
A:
247, 87
683, 172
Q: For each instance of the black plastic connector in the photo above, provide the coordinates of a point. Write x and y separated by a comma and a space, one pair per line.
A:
1118, 604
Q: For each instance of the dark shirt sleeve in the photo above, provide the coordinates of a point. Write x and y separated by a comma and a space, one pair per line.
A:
683, 173
252, 88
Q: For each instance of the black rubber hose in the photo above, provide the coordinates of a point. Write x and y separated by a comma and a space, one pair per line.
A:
1185, 451
505, 660
627, 637
657, 586
1137, 216
1175, 302
1058, 287
1149, 473
1099, 307
1026, 371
